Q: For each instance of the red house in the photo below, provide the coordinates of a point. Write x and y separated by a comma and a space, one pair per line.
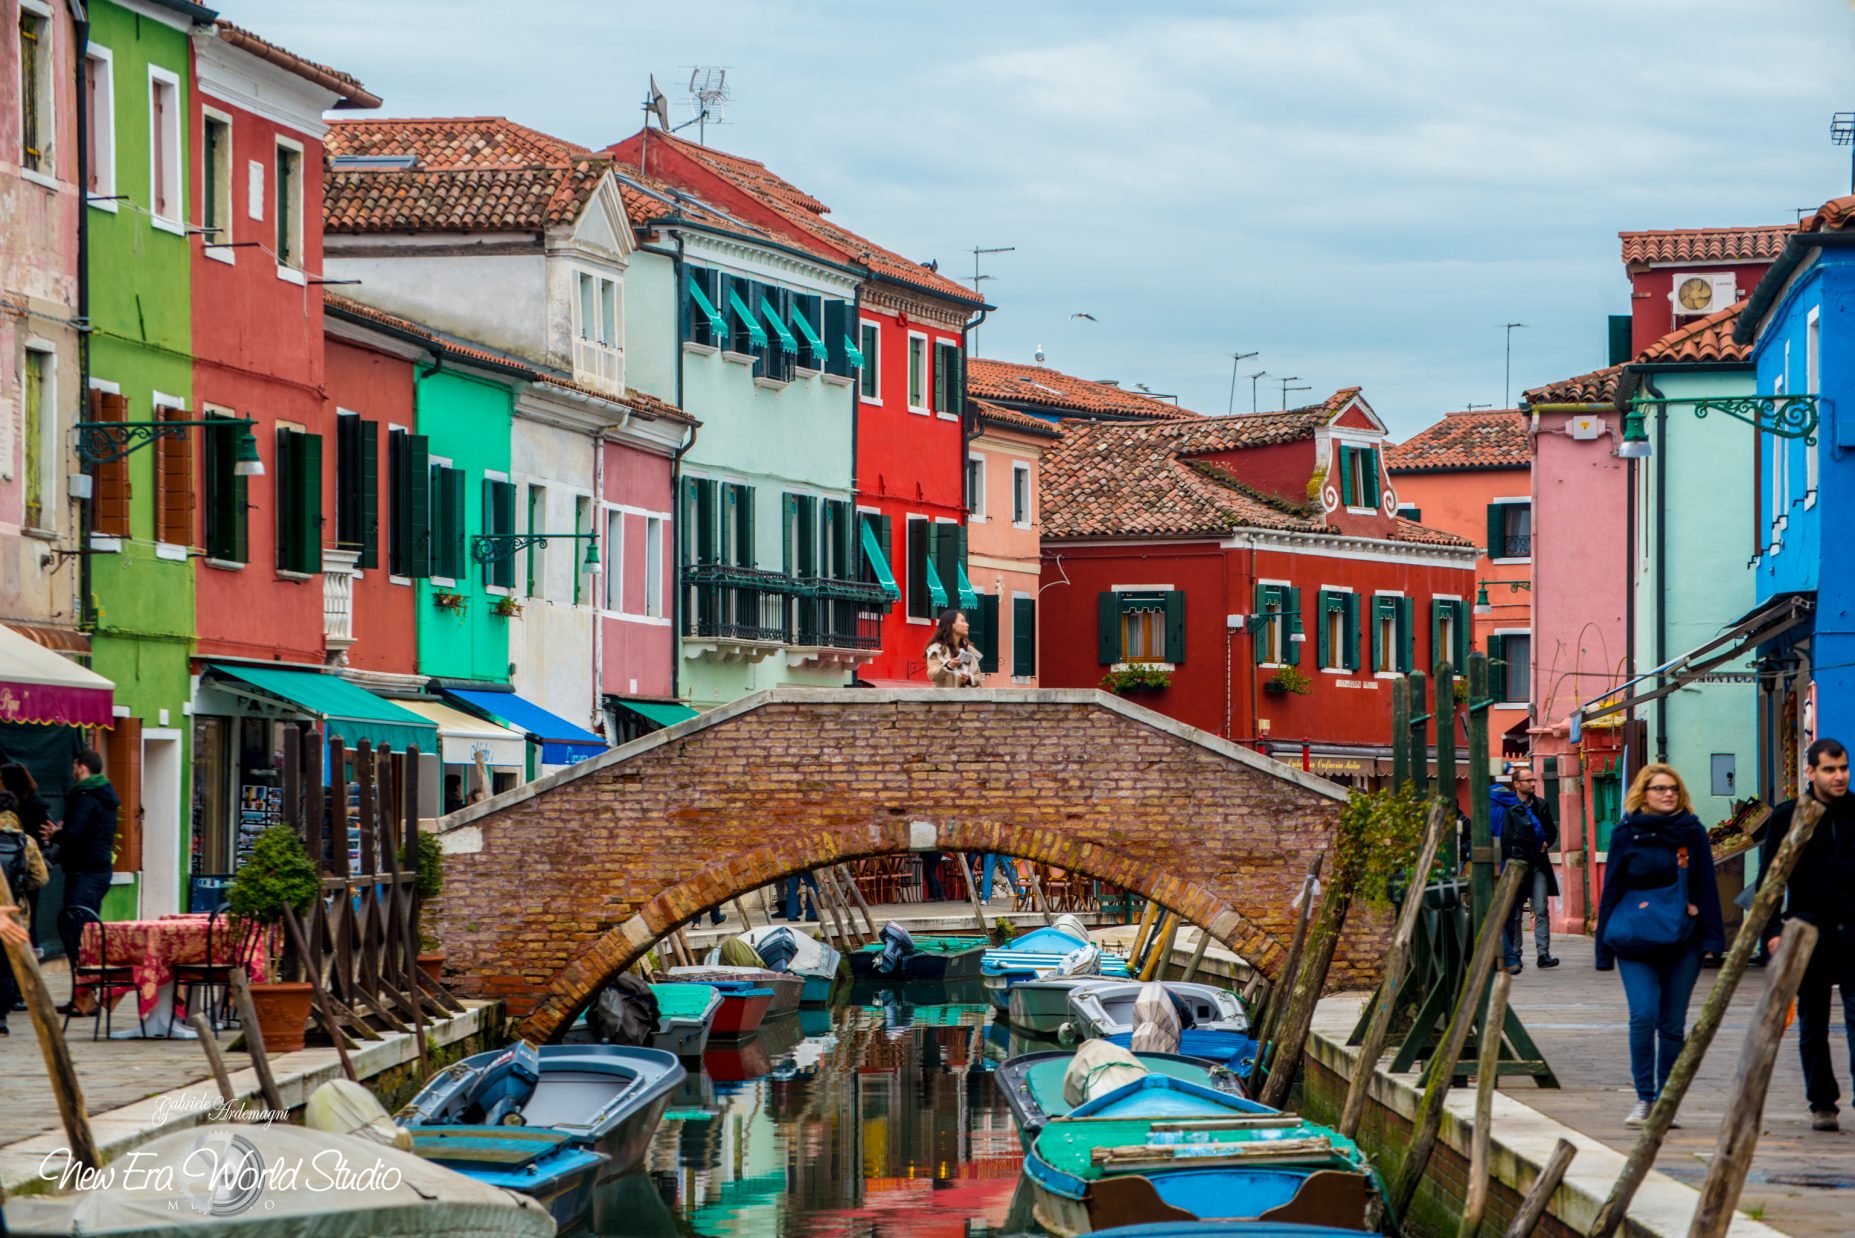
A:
1248, 575
909, 344
1680, 275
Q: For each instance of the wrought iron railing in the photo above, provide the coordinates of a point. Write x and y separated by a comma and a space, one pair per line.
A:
736, 603
831, 624
1515, 546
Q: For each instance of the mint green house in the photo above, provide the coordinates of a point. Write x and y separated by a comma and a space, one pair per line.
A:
141, 369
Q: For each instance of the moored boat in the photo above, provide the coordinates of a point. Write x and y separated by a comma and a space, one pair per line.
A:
1041, 1005
787, 988
1226, 1229
1051, 949
743, 1006
784, 949
685, 1017
1033, 1084
1217, 1027
901, 955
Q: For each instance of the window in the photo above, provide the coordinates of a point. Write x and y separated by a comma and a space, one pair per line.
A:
173, 480
798, 535
840, 325
1278, 623
917, 374
36, 404
975, 488
582, 523
1021, 495
1146, 625
109, 503
1411, 513
596, 327
870, 377
1449, 634
409, 533
165, 163
702, 317
38, 125
653, 566
447, 523
537, 555
225, 495
881, 530
775, 358
216, 184
1510, 666
926, 596
1391, 633
1024, 637
357, 487
289, 206
985, 632
614, 559
499, 522
807, 319
1510, 529
948, 386
1813, 381
1339, 630
100, 117
1358, 476
299, 500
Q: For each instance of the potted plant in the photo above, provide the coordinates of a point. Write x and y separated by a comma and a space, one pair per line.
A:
507, 607
445, 600
278, 877
1288, 679
1136, 677
431, 881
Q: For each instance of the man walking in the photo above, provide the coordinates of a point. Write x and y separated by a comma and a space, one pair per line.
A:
1545, 883
86, 841
1524, 839
1818, 893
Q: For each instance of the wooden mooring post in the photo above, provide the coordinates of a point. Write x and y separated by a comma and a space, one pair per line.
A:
1279, 989
1487, 1073
1540, 1194
67, 1092
1291, 1031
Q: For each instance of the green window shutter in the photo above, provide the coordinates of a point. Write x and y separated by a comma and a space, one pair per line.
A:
788, 517
370, 494
1412, 514
490, 526
500, 506
916, 532
417, 506
1107, 628
1324, 650
940, 382
808, 535
885, 531
1406, 633
1497, 529
686, 533
285, 515
1377, 628
1259, 645
706, 530
1351, 654
1438, 655
745, 552
1346, 475
988, 623
1369, 458
309, 499
939, 550
1024, 636
1497, 666
1291, 602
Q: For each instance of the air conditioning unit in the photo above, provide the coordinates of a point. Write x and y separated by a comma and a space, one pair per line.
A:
1703, 294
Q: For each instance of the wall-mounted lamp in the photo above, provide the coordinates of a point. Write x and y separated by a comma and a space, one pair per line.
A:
104, 442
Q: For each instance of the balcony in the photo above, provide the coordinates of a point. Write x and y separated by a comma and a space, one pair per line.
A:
339, 569
836, 622
745, 614
1513, 546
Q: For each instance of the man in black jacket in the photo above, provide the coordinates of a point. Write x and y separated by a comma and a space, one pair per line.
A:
86, 841
1819, 893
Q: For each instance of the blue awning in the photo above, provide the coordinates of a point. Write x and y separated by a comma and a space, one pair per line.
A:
853, 352
562, 742
786, 342
708, 309
755, 332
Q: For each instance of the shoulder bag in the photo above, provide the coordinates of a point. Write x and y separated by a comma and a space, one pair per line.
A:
1646, 923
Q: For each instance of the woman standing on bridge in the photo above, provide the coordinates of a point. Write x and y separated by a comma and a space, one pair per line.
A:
1660, 910
952, 659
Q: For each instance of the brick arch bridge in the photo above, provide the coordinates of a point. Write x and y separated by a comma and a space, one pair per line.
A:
553, 888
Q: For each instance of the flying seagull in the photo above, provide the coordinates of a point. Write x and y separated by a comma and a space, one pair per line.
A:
1090, 317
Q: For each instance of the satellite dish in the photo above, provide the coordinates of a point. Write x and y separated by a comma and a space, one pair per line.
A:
1039, 354
659, 106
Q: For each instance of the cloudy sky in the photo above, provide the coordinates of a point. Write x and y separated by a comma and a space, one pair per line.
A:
1362, 192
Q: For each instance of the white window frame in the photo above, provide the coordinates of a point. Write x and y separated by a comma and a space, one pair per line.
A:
102, 114
1367, 488
1275, 625
1524, 500
612, 533
656, 530
872, 361
295, 272
908, 377
975, 510
48, 437
586, 338
1528, 633
1457, 614
1336, 649
535, 521
217, 247
177, 222
934, 352
48, 97
1020, 469
1812, 379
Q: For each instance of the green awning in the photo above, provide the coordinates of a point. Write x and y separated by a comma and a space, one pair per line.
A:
936, 594
820, 353
786, 342
969, 597
707, 307
853, 352
872, 549
663, 713
348, 710
755, 331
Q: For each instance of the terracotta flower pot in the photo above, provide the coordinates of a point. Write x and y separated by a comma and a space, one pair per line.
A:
431, 962
283, 1013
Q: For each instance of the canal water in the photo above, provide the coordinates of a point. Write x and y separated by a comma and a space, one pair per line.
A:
876, 1117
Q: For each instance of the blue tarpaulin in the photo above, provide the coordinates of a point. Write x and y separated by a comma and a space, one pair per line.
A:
562, 743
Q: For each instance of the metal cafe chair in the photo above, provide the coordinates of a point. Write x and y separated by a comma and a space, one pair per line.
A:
99, 977
215, 976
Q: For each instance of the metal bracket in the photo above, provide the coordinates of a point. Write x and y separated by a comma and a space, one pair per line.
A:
1787, 416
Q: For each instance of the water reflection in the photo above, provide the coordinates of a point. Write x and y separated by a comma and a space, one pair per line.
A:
878, 1117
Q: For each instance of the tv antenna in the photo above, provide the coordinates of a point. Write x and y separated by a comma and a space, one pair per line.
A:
1236, 359
1842, 133
709, 96
977, 251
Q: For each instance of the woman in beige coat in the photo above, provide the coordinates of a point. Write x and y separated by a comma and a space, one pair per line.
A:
953, 660
25, 871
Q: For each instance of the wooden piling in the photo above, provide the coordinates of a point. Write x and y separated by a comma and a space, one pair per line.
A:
1291, 1031
1149, 963
254, 1041
1281, 986
1770, 892
869, 920
1191, 968
1533, 1207
323, 1010
1745, 1108
1487, 1072
972, 892
1148, 914
215, 1060
67, 1092
1397, 963
1442, 1065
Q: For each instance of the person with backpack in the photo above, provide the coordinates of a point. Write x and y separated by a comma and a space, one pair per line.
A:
1524, 823
86, 841
25, 871
1659, 912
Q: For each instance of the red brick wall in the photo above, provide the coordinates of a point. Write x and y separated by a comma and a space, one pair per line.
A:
549, 891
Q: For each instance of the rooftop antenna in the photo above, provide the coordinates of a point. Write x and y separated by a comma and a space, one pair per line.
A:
1253, 377
654, 105
1507, 378
1292, 378
1842, 133
977, 251
709, 95
1236, 359
1469, 408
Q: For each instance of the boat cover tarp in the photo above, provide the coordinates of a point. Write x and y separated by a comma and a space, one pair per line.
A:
1097, 1069
1156, 1021
344, 1107
292, 1196
624, 1013
739, 952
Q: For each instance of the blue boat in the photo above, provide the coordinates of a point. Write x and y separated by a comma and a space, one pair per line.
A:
1162, 1149
1215, 1024
548, 1122
1033, 1084
1225, 1229
1038, 952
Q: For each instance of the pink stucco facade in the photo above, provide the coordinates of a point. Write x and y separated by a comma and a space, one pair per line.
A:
637, 640
1002, 551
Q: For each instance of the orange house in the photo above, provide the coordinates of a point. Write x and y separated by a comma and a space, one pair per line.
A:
1471, 474
1004, 518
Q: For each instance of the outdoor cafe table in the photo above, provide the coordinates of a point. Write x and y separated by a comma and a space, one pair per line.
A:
151, 949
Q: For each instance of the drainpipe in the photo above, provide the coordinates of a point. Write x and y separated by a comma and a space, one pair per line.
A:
1661, 561
80, 43
599, 711
680, 282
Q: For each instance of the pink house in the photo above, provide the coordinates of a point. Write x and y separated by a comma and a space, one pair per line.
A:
1004, 519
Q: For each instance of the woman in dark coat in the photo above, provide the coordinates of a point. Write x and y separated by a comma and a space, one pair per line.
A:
1658, 837
33, 812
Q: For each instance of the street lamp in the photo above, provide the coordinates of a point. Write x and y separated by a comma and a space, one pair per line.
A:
105, 442
1481, 600
495, 547
1785, 416
1635, 444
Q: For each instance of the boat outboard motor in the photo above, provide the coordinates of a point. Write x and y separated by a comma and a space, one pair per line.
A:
897, 945
777, 949
504, 1086
1187, 1021
624, 1013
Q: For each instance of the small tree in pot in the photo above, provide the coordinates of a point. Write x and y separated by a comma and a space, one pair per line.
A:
431, 881
277, 878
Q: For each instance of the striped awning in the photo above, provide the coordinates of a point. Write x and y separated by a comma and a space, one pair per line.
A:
39, 685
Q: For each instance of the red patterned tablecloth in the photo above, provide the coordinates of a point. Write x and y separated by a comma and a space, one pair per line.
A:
151, 948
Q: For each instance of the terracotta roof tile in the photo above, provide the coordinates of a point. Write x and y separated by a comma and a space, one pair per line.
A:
345, 85
1703, 339
1012, 419
1834, 215
1761, 244
469, 174
1490, 438
639, 402
1411, 531
1597, 387
1012, 383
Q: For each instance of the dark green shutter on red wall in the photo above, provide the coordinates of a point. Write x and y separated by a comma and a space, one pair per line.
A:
1107, 628
1024, 637
1406, 634
1352, 631
985, 633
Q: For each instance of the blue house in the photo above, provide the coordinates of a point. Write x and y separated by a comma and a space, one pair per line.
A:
1800, 322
